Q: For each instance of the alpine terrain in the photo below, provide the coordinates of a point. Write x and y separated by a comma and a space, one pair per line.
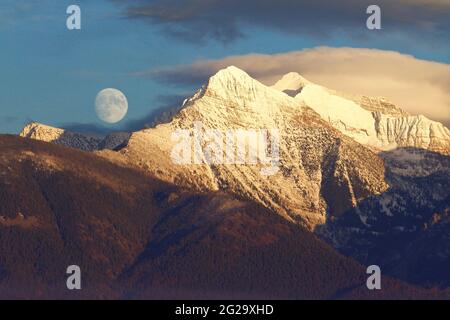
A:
368, 178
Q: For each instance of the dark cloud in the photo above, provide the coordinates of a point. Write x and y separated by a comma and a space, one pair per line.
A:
197, 20
167, 107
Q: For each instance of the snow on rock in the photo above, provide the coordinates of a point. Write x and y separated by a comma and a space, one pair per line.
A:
291, 83
357, 170
85, 142
373, 122
321, 171
345, 115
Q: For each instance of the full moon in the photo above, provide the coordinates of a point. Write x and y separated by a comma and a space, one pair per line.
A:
111, 105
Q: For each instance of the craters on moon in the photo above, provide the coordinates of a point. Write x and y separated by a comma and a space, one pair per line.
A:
111, 105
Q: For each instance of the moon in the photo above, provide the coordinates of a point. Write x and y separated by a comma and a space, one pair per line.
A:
111, 105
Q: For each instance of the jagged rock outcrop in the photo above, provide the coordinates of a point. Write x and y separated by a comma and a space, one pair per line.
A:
322, 167
135, 237
319, 169
85, 142
373, 122
365, 175
404, 229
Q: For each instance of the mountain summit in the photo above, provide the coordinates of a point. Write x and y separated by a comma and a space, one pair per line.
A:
327, 150
291, 83
358, 171
371, 121
137, 237
320, 169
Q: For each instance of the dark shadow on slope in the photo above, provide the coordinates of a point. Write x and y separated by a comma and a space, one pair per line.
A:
169, 107
111, 220
405, 230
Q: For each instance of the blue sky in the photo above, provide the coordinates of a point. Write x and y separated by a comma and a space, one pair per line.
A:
52, 75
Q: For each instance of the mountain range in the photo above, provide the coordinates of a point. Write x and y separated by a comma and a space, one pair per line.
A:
135, 237
356, 172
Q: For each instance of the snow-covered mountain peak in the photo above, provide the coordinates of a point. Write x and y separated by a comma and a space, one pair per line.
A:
327, 178
230, 76
231, 71
234, 81
232, 91
374, 122
291, 83
312, 155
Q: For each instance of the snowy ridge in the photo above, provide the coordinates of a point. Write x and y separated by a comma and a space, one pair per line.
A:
358, 171
291, 83
324, 167
373, 122
321, 170
80, 141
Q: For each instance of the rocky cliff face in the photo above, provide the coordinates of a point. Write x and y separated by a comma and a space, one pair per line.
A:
319, 169
134, 236
329, 145
363, 174
404, 229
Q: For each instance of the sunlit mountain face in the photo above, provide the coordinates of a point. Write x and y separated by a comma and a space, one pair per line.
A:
162, 150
